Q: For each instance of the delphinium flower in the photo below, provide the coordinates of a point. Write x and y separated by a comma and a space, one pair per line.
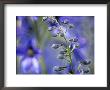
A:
29, 58
60, 29
26, 49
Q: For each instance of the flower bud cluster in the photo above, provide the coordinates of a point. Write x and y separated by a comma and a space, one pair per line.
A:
60, 29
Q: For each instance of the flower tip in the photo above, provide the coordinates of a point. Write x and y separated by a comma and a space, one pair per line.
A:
55, 46
71, 26
85, 62
44, 18
66, 21
61, 56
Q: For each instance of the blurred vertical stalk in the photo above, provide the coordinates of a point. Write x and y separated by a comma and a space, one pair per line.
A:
41, 34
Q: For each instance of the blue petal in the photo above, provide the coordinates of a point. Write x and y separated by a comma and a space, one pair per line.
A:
78, 55
29, 65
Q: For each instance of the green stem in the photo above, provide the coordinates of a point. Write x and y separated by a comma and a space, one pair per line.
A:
39, 45
71, 60
69, 54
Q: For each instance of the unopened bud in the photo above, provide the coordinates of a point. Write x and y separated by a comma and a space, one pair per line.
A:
44, 18
55, 46
85, 62
71, 26
61, 56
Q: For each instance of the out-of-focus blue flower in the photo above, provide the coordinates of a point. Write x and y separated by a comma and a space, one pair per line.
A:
22, 48
34, 18
30, 58
30, 65
26, 48
23, 27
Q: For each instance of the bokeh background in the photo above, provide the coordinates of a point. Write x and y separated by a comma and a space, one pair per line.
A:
32, 32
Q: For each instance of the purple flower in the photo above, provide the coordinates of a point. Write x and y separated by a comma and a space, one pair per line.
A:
34, 18
30, 65
23, 28
30, 58
26, 49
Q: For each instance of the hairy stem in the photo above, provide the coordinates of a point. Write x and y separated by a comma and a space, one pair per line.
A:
69, 54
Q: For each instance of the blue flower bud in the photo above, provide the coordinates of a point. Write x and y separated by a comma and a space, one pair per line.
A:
61, 34
87, 70
55, 46
54, 34
62, 44
77, 45
56, 68
75, 39
50, 28
71, 40
61, 56
65, 21
44, 18
71, 26
63, 52
59, 68
71, 46
84, 70
85, 62
52, 22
